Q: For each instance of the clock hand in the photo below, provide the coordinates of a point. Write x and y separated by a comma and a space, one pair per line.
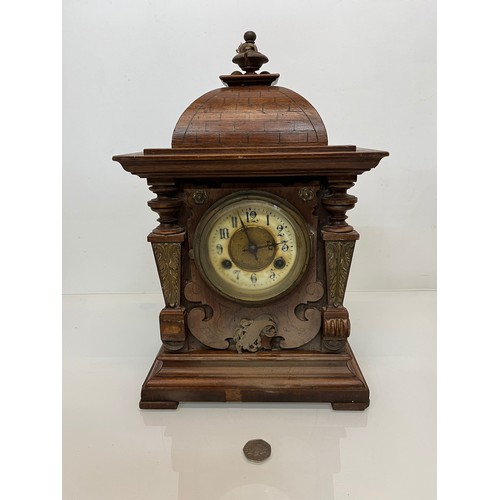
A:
245, 229
252, 247
269, 244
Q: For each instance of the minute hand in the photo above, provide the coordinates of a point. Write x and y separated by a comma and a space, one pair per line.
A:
252, 247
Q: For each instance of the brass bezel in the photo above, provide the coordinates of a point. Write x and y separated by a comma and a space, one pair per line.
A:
210, 275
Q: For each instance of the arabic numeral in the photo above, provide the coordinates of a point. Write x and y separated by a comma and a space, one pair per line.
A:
224, 233
251, 214
236, 272
219, 249
234, 221
272, 275
253, 278
284, 247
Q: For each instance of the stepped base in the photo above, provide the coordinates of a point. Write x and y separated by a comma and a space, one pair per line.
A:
225, 376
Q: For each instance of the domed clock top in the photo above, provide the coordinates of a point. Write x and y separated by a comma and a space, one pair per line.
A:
250, 111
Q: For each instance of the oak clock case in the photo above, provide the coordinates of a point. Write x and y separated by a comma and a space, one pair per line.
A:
253, 249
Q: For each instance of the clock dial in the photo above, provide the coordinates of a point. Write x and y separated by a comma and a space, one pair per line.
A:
252, 246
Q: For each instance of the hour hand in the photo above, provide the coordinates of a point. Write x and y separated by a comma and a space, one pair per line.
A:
269, 245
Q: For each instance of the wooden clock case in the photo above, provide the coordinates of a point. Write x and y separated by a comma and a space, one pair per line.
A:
253, 136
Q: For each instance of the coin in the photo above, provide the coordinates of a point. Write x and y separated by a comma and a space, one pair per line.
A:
257, 450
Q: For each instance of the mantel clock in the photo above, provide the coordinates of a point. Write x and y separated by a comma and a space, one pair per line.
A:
253, 250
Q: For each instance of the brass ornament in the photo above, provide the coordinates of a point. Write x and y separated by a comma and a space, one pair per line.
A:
168, 262
252, 334
306, 194
338, 260
200, 197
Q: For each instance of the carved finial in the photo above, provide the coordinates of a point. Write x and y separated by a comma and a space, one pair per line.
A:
248, 58
249, 37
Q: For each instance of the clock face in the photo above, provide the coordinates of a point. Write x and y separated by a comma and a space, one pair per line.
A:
252, 246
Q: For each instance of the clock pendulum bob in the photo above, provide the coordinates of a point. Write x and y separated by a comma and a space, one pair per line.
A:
252, 249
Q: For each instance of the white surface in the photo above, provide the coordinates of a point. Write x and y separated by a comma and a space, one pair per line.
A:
132, 67
112, 450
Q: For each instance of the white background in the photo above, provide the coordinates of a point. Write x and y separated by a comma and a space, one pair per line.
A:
468, 104
131, 67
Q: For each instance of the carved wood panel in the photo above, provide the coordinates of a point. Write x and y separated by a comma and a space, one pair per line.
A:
288, 322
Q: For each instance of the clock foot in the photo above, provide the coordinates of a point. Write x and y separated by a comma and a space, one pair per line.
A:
350, 406
158, 405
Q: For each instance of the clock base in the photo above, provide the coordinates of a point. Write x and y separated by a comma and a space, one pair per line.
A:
226, 376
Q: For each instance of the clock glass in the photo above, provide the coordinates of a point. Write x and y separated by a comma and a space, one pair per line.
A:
252, 246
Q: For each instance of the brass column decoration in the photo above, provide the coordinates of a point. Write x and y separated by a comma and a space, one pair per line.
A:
168, 262
340, 239
338, 257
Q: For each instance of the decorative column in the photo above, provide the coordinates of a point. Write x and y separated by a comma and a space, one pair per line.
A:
340, 239
166, 241
166, 205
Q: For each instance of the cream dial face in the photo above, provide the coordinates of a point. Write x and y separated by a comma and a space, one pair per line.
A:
252, 247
